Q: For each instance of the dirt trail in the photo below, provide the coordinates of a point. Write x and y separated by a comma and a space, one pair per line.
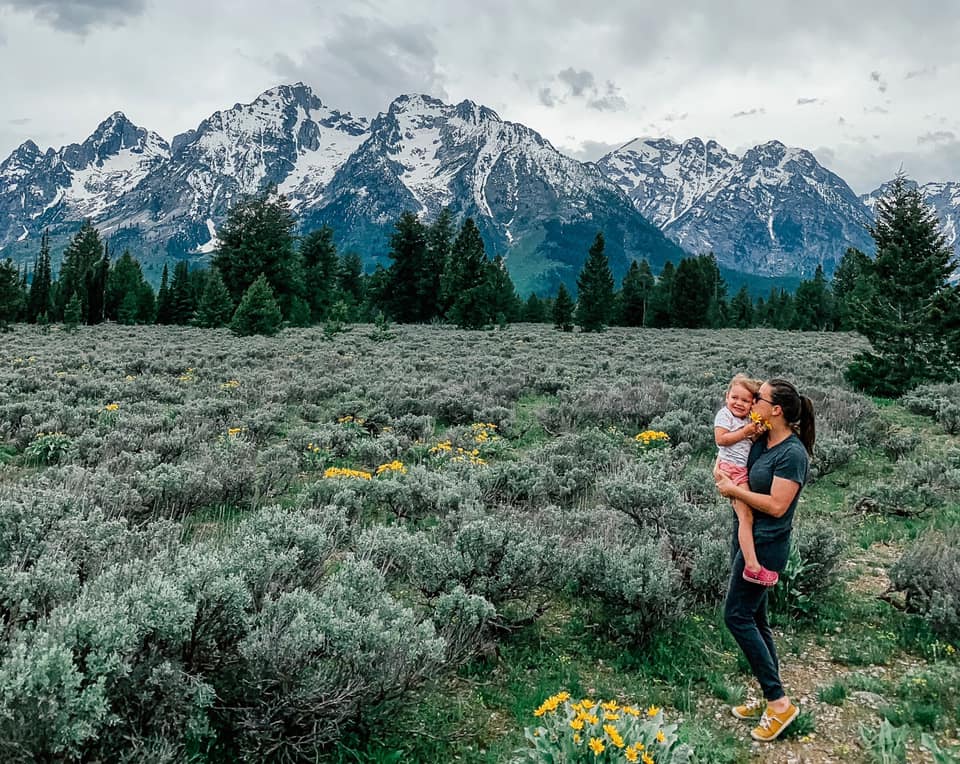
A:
836, 737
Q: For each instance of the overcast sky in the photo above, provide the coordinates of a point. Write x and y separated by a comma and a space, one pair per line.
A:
866, 86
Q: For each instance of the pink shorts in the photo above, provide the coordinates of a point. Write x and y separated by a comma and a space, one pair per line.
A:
739, 475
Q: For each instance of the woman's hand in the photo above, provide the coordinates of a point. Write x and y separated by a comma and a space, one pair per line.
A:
725, 484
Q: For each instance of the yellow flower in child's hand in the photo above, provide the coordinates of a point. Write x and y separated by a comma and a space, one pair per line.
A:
596, 745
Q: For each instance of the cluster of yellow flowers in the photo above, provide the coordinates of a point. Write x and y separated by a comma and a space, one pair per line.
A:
350, 419
484, 432
394, 466
461, 455
187, 376
129, 378
18, 361
313, 448
757, 419
230, 384
652, 438
56, 434
111, 407
576, 729
343, 472
235, 431
442, 448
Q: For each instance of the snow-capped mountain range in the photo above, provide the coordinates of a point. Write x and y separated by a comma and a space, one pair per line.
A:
774, 211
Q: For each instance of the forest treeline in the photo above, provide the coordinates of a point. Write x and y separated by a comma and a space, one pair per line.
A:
438, 272
262, 277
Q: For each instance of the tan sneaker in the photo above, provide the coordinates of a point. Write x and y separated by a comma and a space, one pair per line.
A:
773, 724
749, 711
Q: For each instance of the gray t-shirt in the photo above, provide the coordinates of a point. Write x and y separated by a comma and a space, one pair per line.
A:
788, 459
739, 451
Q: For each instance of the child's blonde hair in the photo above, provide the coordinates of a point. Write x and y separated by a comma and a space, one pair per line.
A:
749, 383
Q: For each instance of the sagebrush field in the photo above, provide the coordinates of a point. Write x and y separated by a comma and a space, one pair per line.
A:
395, 543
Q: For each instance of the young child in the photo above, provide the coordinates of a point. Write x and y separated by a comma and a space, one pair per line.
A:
734, 432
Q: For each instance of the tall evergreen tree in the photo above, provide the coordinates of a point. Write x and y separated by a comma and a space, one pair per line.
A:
814, 304
351, 279
258, 312
164, 301
216, 305
440, 237
466, 280
595, 289
563, 310
257, 238
504, 303
851, 286
38, 301
912, 316
11, 294
634, 294
318, 253
534, 311
741, 309
182, 305
79, 271
659, 311
408, 250
126, 285
692, 294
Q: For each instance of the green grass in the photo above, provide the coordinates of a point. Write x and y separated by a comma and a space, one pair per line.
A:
834, 693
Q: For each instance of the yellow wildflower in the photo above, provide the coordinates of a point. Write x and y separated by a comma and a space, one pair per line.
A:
339, 472
757, 419
614, 735
631, 754
647, 758
234, 431
577, 739
660, 736
576, 724
587, 704
631, 710
653, 711
394, 466
610, 705
112, 406
596, 745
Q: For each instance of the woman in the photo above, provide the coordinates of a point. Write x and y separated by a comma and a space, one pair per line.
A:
778, 467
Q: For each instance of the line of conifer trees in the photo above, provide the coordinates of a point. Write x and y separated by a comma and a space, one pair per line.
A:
262, 276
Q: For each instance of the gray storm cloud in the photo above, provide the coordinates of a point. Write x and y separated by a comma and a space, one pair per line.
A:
79, 16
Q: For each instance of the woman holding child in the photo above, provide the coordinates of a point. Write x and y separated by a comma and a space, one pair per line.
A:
778, 467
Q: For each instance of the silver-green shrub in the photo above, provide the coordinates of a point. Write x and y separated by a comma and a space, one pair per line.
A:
929, 574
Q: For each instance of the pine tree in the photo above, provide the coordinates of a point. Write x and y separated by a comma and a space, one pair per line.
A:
79, 270
216, 305
504, 304
318, 253
741, 309
350, 279
595, 289
533, 310
659, 307
851, 286
814, 304
466, 281
440, 237
126, 284
258, 312
408, 248
11, 294
182, 305
38, 302
72, 313
257, 238
164, 303
911, 316
563, 310
634, 294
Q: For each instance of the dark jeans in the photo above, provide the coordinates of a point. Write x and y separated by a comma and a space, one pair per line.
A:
745, 613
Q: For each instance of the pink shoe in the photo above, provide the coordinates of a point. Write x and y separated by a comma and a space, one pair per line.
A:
761, 576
